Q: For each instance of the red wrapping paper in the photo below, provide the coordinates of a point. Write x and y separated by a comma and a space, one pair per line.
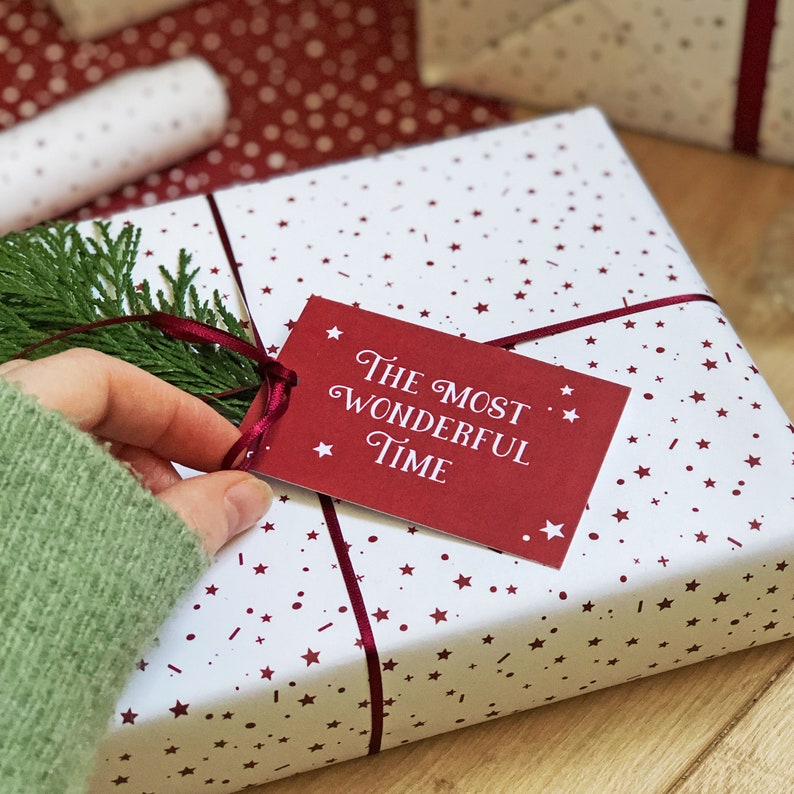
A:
309, 83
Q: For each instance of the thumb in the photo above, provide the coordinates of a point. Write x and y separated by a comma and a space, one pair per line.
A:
219, 505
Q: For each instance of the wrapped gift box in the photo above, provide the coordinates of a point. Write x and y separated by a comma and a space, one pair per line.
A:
715, 73
332, 631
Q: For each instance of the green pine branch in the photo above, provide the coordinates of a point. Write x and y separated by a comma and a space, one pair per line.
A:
54, 279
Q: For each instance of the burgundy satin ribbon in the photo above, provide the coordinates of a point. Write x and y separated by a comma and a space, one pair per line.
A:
759, 25
362, 619
600, 317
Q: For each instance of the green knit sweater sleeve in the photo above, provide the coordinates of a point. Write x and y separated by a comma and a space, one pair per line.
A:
90, 566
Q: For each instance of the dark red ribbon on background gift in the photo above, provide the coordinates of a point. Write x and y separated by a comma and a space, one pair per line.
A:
759, 24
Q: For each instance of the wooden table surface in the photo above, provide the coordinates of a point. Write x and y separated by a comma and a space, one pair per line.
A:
725, 725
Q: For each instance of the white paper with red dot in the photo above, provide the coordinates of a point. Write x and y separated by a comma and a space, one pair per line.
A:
118, 132
686, 550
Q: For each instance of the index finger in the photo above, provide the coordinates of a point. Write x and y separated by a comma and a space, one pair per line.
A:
120, 402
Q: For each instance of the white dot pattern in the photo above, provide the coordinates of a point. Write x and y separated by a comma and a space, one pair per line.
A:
308, 83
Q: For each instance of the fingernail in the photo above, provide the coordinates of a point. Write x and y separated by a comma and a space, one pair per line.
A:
246, 502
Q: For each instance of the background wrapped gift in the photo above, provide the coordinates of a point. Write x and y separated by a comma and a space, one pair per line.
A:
684, 553
712, 72
90, 19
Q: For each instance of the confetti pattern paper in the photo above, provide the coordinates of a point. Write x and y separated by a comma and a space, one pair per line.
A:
686, 548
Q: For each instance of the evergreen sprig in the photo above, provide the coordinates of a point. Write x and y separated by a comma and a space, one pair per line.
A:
54, 279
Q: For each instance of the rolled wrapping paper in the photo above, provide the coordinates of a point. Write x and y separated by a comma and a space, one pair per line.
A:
116, 133
92, 19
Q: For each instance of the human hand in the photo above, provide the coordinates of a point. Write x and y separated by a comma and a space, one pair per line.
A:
148, 423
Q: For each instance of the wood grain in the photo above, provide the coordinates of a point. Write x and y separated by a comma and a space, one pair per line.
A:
726, 725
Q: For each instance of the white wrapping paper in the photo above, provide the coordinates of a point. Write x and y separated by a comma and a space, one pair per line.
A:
130, 126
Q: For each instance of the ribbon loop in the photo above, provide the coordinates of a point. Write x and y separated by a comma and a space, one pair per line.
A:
277, 380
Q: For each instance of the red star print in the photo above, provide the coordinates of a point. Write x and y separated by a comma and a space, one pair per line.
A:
214, 271
703, 444
665, 603
282, 224
536, 643
260, 568
752, 461
697, 396
439, 615
380, 614
267, 672
709, 364
629, 324
455, 247
621, 515
180, 709
311, 657
118, 781
643, 471
700, 537
462, 581
407, 570
307, 700
390, 665
755, 524
692, 586
481, 307
128, 717
519, 296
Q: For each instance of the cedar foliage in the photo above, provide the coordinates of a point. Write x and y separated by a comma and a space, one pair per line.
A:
53, 278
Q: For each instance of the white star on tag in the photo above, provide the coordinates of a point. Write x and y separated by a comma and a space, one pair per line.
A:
334, 333
552, 530
571, 415
323, 449
566, 390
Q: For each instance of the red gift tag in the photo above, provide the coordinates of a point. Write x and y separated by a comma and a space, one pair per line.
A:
462, 437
